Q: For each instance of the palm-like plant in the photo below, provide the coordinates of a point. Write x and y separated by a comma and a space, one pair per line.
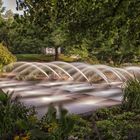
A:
5, 98
131, 99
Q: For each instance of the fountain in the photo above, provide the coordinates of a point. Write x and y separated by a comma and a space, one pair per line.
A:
79, 87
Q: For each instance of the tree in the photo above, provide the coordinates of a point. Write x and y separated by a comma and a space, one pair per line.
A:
2, 9
110, 27
6, 20
3, 25
49, 17
24, 37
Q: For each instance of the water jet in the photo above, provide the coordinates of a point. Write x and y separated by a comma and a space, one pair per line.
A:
80, 87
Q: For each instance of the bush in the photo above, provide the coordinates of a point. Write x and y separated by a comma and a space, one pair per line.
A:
106, 113
131, 98
115, 123
6, 57
82, 128
19, 122
120, 127
14, 117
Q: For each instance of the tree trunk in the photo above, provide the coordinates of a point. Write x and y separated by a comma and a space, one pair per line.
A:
56, 56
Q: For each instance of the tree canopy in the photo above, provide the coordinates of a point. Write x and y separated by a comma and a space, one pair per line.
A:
107, 29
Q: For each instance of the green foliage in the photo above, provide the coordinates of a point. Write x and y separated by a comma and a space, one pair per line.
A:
19, 122
24, 37
115, 123
131, 92
45, 20
5, 99
5, 56
108, 29
82, 128
13, 117
59, 128
120, 127
106, 113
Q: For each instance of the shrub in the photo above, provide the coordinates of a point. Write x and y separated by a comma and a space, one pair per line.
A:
6, 57
131, 92
124, 126
105, 113
14, 117
82, 128
19, 122
116, 123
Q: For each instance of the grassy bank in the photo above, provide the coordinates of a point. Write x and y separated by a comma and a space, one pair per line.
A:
43, 58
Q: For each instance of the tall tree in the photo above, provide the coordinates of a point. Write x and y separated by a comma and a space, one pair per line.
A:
107, 29
3, 25
49, 17
112, 26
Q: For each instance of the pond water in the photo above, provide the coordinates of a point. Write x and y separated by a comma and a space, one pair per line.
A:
80, 88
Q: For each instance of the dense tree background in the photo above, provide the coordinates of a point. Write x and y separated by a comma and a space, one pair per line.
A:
106, 29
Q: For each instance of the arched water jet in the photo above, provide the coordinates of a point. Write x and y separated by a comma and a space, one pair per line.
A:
14, 70
14, 64
21, 67
124, 71
44, 66
79, 66
104, 67
79, 94
133, 69
59, 68
93, 69
107, 68
32, 65
64, 63
72, 70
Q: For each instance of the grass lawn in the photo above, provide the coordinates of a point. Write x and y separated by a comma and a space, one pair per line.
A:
43, 58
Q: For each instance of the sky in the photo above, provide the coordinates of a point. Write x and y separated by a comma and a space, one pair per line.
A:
10, 4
